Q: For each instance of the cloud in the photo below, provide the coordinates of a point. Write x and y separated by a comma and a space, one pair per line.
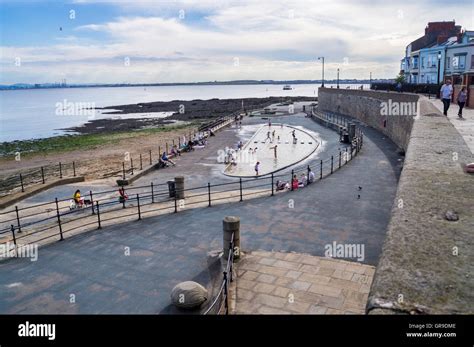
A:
270, 40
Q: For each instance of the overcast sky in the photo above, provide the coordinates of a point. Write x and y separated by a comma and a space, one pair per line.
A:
186, 41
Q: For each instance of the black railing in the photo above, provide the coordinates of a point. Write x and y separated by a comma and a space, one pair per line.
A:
221, 300
61, 217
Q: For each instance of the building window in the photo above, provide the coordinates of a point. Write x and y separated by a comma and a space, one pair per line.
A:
459, 62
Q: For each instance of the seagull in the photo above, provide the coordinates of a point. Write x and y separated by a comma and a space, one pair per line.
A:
360, 188
358, 196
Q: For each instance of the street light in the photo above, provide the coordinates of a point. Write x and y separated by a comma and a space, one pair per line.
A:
439, 64
370, 81
322, 59
337, 78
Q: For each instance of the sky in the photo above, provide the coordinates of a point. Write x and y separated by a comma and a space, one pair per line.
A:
119, 41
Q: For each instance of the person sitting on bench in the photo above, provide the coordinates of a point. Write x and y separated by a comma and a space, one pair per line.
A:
77, 198
122, 196
281, 185
167, 160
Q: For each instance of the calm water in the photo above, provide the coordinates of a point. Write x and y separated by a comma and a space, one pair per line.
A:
39, 113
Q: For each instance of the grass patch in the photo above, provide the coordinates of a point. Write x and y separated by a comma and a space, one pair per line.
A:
66, 143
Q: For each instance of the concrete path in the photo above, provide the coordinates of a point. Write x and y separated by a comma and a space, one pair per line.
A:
164, 250
294, 283
464, 126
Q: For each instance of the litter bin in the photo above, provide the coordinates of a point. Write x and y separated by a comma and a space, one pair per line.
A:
172, 189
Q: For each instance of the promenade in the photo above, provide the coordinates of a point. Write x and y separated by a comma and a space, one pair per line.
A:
132, 267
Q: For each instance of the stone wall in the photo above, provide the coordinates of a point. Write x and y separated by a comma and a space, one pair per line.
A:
426, 262
367, 106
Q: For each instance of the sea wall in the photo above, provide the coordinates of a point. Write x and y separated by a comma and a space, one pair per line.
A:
426, 262
373, 108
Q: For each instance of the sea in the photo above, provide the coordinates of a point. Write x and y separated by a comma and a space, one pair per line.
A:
41, 113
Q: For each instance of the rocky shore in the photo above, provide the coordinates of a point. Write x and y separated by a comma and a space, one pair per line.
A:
184, 111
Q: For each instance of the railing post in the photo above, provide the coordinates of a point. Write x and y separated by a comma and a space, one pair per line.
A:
60, 170
21, 182
138, 206
74, 168
152, 194
226, 302
131, 164
159, 152
151, 162
42, 174
209, 192
18, 219
321, 170
141, 162
175, 203
273, 188
123, 200
291, 181
59, 220
332, 163
98, 215
240, 187
92, 201
340, 159
12, 228
123, 170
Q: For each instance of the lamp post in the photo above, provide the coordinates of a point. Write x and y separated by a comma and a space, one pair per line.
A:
337, 78
370, 80
322, 59
439, 64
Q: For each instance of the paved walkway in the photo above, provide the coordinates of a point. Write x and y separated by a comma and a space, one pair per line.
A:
464, 126
165, 250
294, 283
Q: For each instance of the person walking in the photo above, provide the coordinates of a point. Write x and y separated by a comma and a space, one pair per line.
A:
257, 168
445, 94
274, 150
462, 97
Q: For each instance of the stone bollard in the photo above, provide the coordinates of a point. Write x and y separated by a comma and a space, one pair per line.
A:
179, 186
352, 129
231, 225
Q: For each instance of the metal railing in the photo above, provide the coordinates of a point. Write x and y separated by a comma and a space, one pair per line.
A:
221, 300
55, 219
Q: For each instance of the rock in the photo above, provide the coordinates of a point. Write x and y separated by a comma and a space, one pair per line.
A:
189, 295
451, 216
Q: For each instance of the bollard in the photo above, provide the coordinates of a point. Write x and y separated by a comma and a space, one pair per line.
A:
123, 170
291, 181
179, 186
131, 165
60, 170
74, 168
141, 162
150, 158
231, 225
321, 170
42, 174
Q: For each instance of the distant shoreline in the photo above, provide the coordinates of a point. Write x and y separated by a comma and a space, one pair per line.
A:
27, 86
